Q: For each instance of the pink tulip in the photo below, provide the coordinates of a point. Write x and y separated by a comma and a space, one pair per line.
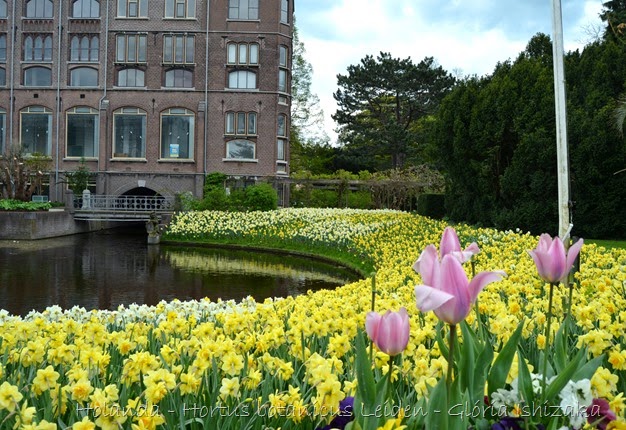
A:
389, 332
552, 261
450, 244
448, 292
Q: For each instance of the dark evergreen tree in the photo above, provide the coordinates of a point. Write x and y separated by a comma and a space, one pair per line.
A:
380, 101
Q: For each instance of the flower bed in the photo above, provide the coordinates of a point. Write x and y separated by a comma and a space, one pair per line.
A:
289, 363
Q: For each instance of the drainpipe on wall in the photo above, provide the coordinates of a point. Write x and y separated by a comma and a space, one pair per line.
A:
58, 109
12, 73
104, 86
206, 88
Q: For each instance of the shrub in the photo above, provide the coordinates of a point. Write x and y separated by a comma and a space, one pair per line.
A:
431, 205
17, 205
260, 197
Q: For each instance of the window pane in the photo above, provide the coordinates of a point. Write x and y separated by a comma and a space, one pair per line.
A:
3, 77
252, 123
168, 49
189, 51
230, 123
282, 80
74, 48
142, 48
283, 56
84, 77
169, 8
179, 49
3, 47
241, 123
3, 12
47, 49
254, 53
121, 49
95, 48
37, 77
232, 53
82, 134
280, 149
36, 135
121, 8
131, 53
243, 53
281, 125
3, 127
130, 131
240, 149
176, 136
191, 8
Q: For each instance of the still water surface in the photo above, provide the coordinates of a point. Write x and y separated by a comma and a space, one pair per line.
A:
105, 269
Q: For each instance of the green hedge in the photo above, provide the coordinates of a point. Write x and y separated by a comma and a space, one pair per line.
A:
431, 205
17, 205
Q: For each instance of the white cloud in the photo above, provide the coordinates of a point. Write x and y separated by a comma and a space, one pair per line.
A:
348, 30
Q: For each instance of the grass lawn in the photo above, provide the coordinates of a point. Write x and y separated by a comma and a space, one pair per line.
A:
608, 243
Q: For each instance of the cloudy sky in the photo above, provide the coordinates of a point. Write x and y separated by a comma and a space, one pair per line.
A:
465, 37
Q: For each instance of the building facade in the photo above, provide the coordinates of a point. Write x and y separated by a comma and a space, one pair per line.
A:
151, 94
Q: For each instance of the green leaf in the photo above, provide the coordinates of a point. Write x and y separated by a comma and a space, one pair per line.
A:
366, 386
587, 370
481, 370
500, 369
564, 376
525, 383
467, 364
437, 415
443, 347
560, 354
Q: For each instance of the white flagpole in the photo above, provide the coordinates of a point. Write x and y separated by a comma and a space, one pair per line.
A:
561, 121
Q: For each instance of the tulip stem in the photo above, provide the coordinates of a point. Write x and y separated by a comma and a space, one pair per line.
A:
373, 310
451, 356
547, 345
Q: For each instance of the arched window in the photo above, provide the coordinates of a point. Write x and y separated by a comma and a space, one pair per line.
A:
86, 9
38, 48
129, 133
39, 8
84, 77
242, 79
82, 132
37, 77
177, 133
36, 130
240, 150
131, 78
178, 78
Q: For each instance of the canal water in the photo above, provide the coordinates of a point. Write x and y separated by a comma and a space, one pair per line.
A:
112, 267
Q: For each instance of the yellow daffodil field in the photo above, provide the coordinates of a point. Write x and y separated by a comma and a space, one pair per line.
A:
288, 362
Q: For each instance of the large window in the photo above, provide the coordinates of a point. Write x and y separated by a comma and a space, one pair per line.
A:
131, 48
241, 123
178, 78
177, 126
84, 48
243, 54
85, 9
243, 9
242, 79
129, 133
3, 129
178, 49
3, 48
82, 132
180, 8
240, 150
37, 77
84, 77
131, 78
38, 48
284, 11
36, 130
39, 9
3, 8
132, 8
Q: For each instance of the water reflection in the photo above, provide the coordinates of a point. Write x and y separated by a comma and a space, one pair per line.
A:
105, 269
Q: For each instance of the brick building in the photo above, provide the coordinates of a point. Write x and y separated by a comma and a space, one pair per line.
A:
152, 94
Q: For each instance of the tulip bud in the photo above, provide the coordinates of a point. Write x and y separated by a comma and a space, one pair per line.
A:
389, 332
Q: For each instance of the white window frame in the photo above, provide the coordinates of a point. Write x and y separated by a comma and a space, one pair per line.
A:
242, 54
242, 80
241, 123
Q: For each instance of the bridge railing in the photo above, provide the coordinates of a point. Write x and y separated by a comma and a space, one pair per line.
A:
125, 204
